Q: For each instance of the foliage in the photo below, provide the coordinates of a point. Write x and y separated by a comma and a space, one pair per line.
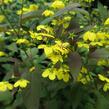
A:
54, 54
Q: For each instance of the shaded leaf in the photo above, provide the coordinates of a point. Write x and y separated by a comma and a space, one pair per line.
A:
100, 53
33, 14
103, 11
6, 97
102, 102
4, 27
31, 95
77, 91
74, 62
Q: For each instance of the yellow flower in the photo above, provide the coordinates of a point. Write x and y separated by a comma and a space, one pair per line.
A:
67, 18
57, 4
83, 76
100, 35
5, 1
61, 73
45, 28
66, 77
22, 83
5, 86
33, 7
32, 69
84, 79
55, 58
50, 53
106, 22
2, 18
50, 73
82, 45
35, 35
102, 62
106, 87
22, 41
2, 53
96, 44
46, 73
103, 78
48, 13
62, 47
84, 70
45, 35
52, 76
54, 22
55, 52
40, 36
91, 36
25, 10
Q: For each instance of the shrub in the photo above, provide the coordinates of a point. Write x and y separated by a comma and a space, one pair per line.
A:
54, 54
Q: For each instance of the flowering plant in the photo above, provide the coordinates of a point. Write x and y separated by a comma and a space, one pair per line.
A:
52, 53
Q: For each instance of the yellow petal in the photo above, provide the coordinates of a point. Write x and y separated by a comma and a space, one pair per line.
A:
46, 73
106, 22
52, 76
66, 77
101, 77
106, 87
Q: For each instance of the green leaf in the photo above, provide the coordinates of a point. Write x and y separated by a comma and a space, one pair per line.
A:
103, 11
52, 104
31, 95
13, 47
77, 92
101, 101
6, 97
32, 51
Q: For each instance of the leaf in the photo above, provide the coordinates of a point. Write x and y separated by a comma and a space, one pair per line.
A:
100, 53
82, 11
74, 62
6, 97
103, 11
31, 95
77, 92
33, 14
101, 102
52, 104
13, 47
60, 12
4, 27
32, 51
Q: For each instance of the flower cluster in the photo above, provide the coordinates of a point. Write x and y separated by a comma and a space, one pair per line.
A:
5, 85
25, 10
56, 52
92, 39
43, 32
84, 77
61, 73
106, 80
